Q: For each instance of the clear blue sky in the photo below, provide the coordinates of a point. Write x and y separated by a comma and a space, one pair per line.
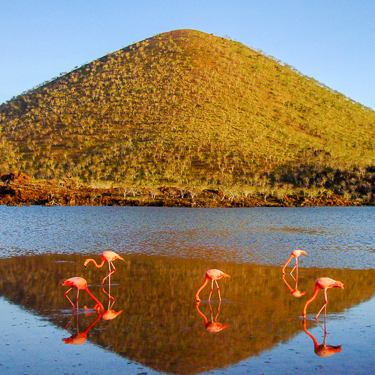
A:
332, 41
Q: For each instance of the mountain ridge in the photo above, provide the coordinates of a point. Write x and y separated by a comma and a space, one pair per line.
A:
190, 109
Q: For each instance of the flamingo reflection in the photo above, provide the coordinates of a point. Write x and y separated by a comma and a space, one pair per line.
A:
324, 283
108, 314
212, 275
79, 338
211, 326
322, 350
294, 254
295, 292
81, 284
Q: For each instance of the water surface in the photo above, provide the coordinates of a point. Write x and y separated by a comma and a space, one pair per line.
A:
159, 328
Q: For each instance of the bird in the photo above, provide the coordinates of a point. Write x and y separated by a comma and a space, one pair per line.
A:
294, 254
107, 256
81, 284
322, 350
212, 275
322, 283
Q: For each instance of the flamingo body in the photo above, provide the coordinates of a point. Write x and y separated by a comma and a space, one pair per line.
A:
323, 283
107, 256
294, 254
76, 282
81, 284
212, 275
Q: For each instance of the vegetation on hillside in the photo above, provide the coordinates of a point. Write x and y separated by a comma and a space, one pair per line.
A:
186, 108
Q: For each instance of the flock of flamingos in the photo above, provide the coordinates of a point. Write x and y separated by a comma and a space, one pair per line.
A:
80, 283
212, 326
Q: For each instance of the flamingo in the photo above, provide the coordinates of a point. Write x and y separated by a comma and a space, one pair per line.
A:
81, 284
322, 283
294, 254
107, 256
212, 275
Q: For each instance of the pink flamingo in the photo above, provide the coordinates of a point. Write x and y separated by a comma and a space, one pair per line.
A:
294, 254
212, 275
322, 283
81, 284
107, 256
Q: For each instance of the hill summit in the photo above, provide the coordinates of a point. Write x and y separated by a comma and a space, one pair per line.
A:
188, 108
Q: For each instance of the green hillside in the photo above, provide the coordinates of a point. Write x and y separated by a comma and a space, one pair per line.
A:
185, 108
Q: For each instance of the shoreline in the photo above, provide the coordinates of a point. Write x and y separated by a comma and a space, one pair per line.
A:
21, 190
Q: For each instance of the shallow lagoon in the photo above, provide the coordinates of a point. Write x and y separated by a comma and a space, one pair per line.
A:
167, 251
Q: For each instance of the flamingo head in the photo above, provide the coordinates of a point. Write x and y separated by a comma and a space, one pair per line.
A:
339, 284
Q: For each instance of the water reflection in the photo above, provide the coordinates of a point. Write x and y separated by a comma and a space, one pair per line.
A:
212, 326
294, 291
110, 313
322, 350
79, 338
346, 234
156, 321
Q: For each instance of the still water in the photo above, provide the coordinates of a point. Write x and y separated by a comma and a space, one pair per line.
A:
152, 324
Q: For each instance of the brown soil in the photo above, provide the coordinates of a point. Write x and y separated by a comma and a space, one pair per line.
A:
20, 189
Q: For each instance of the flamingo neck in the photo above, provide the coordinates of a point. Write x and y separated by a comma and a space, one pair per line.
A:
288, 261
199, 290
93, 297
311, 299
96, 264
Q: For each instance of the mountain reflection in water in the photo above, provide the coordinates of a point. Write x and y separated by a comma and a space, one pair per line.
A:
159, 325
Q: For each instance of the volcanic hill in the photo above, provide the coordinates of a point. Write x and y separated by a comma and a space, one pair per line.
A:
185, 108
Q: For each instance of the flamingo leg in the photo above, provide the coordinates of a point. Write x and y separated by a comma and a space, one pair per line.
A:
325, 305
325, 323
110, 272
66, 295
212, 288
77, 297
296, 266
218, 290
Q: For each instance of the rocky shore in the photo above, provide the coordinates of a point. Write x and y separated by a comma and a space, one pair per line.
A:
18, 189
